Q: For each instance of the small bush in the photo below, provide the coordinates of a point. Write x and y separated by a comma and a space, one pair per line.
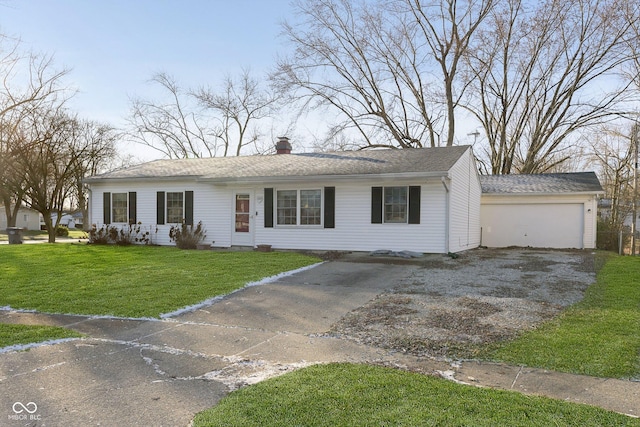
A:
186, 236
62, 231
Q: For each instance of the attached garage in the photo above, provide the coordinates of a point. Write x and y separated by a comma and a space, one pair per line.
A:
542, 211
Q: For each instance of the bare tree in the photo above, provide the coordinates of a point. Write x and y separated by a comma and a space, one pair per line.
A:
237, 109
52, 153
389, 69
176, 128
97, 142
204, 122
541, 72
29, 80
613, 158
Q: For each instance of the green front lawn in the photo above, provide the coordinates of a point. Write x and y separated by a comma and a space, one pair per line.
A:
599, 336
132, 281
26, 334
359, 395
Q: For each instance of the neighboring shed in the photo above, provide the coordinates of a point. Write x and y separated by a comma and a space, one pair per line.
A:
557, 210
424, 200
27, 218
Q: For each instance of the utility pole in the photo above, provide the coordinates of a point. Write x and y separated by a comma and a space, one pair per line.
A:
634, 141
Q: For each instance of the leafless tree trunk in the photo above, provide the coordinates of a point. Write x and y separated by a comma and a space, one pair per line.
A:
541, 72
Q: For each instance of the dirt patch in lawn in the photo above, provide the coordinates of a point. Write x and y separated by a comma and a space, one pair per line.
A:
449, 307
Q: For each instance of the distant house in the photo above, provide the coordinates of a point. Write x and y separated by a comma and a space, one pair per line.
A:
425, 200
69, 219
557, 210
28, 219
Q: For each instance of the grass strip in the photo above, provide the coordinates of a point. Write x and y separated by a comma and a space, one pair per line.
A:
11, 334
599, 336
132, 281
360, 395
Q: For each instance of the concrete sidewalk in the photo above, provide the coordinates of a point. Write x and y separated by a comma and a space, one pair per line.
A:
161, 372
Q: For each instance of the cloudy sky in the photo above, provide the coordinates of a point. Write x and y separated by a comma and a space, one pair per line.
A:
113, 47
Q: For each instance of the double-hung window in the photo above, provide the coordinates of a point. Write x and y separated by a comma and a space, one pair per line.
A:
299, 207
310, 207
119, 207
175, 207
396, 201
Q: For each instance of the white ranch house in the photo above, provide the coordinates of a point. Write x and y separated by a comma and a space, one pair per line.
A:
424, 200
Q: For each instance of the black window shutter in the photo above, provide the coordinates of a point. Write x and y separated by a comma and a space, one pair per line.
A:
329, 207
376, 205
188, 207
133, 207
414, 204
268, 207
106, 208
160, 208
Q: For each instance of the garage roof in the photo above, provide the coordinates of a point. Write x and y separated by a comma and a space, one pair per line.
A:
574, 182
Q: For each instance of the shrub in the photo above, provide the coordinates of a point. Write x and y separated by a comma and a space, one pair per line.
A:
186, 236
98, 236
62, 231
608, 237
124, 236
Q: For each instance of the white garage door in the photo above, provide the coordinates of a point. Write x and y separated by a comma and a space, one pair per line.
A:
535, 225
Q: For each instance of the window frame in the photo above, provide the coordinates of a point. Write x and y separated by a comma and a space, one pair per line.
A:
299, 208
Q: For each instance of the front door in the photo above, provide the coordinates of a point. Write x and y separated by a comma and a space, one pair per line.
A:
243, 219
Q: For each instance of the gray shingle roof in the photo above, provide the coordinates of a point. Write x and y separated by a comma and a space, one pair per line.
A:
369, 162
577, 182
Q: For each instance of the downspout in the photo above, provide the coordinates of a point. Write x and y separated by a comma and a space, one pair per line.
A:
88, 220
446, 209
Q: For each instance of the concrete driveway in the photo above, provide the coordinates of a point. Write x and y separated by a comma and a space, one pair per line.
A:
160, 373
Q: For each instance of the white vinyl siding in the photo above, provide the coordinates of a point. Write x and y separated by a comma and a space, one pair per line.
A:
464, 205
353, 229
207, 207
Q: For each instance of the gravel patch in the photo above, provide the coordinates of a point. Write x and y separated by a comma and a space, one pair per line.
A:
448, 307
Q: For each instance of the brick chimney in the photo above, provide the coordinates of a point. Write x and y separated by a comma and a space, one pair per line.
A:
283, 146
